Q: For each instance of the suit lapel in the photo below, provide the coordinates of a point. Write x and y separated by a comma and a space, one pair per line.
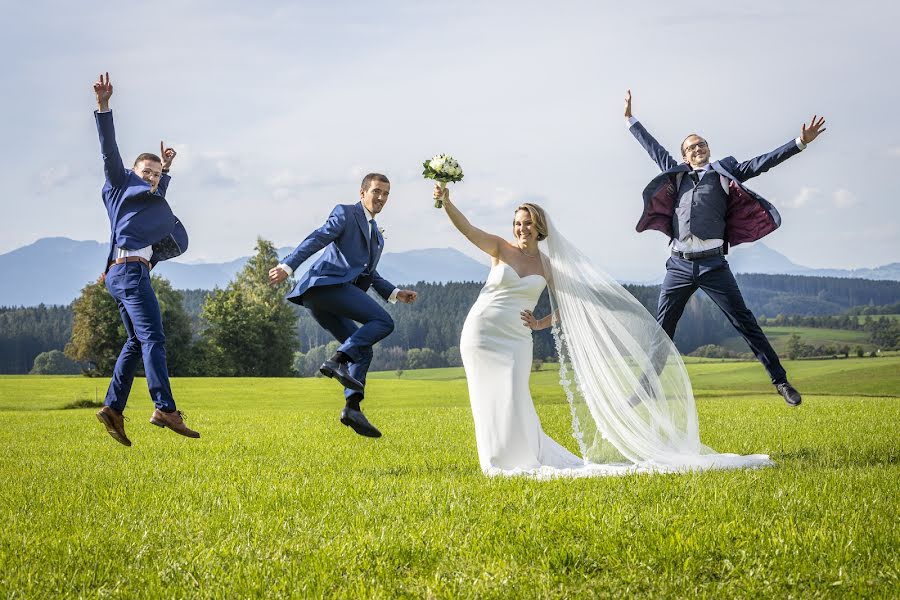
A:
363, 223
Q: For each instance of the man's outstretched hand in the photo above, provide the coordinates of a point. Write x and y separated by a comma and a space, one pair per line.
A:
277, 275
407, 296
167, 154
103, 89
628, 104
811, 132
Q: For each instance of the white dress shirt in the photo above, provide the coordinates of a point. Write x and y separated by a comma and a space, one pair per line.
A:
144, 253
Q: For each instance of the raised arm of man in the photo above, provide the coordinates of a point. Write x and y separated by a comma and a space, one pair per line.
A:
759, 165
113, 167
660, 155
168, 155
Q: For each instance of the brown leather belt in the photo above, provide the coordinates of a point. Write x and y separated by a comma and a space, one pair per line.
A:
128, 259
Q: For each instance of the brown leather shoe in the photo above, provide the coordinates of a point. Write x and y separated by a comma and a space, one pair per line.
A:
114, 422
174, 422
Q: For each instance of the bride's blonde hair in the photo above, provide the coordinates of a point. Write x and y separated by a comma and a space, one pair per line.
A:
538, 217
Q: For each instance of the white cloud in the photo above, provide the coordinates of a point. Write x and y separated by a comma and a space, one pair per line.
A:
55, 176
354, 95
218, 168
804, 197
844, 198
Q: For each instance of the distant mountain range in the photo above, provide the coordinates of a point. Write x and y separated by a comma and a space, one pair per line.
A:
53, 270
759, 258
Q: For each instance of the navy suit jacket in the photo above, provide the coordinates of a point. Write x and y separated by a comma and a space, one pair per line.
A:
748, 217
137, 217
345, 237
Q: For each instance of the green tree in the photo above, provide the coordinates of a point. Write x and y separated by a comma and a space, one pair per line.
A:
54, 362
453, 357
423, 358
387, 358
249, 322
98, 333
307, 365
794, 346
177, 326
97, 330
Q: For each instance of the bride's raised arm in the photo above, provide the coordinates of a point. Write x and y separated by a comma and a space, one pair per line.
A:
485, 241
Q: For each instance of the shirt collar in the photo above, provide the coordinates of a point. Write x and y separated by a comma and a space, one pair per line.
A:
369, 216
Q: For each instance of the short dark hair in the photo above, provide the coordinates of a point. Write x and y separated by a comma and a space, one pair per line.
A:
147, 156
368, 179
687, 138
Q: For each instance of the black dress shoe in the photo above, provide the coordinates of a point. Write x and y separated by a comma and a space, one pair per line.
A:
357, 421
337, 370
790, 395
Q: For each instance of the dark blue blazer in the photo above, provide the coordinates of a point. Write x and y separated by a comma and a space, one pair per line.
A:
345, 237
748, 217
137, 217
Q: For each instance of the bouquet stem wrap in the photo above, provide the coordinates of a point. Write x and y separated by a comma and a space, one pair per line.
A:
440, 203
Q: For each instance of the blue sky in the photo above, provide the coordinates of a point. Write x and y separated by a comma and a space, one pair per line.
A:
279, 108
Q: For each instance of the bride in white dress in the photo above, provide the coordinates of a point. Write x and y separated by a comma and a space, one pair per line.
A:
626, 417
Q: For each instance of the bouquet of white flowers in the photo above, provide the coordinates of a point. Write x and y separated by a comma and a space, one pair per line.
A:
444, 169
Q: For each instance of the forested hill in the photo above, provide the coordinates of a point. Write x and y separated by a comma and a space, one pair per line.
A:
435, 321
813, 296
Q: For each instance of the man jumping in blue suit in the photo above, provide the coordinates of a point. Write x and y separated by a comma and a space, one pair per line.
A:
143, 231
703, 208
334, 291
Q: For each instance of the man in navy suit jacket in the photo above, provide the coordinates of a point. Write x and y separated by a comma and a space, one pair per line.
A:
143, 231
334, 291
703, 208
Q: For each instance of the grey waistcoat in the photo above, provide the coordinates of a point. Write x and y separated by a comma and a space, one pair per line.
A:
700, 210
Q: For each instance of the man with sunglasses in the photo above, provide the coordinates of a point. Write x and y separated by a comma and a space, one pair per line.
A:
703, 208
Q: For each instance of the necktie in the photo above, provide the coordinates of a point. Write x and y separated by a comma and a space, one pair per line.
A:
695, 177
373, 242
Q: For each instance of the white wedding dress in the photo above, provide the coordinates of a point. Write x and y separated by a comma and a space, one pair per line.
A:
496, 352
626, 416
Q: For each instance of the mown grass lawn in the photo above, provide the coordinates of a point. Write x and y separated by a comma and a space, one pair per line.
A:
277, 499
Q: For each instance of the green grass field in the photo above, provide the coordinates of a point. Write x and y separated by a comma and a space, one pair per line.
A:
813, 336
277, 499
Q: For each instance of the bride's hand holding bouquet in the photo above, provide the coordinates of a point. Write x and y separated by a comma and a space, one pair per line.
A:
443, 169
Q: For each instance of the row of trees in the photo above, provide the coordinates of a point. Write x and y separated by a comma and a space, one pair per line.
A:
796, 348
804, 295
872, 309
247, 328
884, 331
25, 332
388, 358
845, 321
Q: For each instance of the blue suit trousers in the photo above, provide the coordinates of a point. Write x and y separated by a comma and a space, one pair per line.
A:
338, 309
713, 276
129, 284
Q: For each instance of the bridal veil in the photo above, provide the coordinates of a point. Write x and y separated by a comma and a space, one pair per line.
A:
627, 386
